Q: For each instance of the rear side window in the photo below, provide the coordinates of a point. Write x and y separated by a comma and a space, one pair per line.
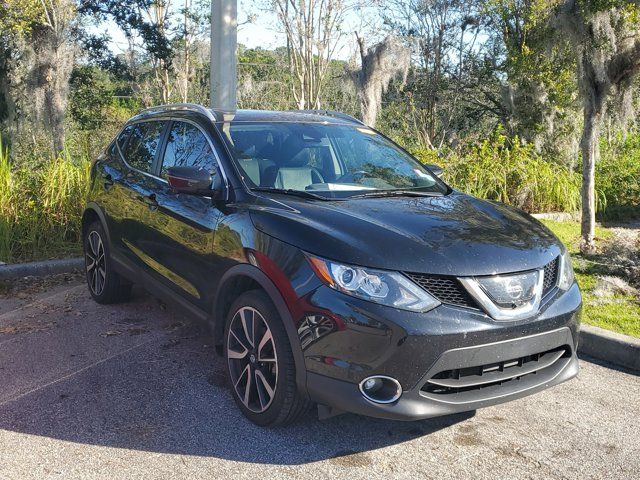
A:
143, 144
187, 146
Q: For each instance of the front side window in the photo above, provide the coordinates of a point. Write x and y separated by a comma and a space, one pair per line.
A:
143, 144
187, 146
329, 160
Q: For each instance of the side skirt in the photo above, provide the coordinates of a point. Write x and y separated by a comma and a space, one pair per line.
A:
157, 289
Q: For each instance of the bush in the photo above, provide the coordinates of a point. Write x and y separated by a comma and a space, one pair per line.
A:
40, 208
503, 169
618, 177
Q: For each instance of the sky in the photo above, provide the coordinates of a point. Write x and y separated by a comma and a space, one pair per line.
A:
263, 32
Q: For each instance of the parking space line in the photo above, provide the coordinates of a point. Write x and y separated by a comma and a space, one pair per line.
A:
76, 372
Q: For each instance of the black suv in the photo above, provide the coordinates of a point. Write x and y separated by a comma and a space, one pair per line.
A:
332, 267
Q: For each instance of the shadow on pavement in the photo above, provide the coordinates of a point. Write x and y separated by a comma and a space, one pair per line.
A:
164, 390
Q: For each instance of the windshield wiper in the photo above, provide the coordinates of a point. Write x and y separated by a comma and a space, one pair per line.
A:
397, 193
289, 191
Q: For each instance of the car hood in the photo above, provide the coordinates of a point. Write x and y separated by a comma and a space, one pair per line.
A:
455, 234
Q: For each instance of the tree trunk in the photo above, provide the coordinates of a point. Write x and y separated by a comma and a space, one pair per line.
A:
7, 106
590, 153
49, 81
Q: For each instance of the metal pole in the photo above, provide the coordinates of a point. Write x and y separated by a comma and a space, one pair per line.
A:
224, 39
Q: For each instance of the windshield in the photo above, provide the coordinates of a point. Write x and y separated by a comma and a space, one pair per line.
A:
334, 161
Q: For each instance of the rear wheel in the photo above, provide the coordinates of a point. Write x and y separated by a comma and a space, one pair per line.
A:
260, 363
105, 284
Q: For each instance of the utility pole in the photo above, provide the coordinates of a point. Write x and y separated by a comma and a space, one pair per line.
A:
224, 40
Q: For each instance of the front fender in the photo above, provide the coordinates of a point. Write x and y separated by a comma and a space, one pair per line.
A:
246, 271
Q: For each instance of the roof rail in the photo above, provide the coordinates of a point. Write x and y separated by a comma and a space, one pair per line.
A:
172, 107
332, 113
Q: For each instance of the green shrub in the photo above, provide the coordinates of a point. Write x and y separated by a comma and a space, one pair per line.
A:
503, 169
618, 177
40, 207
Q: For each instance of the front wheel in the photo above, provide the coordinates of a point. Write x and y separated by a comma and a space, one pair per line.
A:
260, 364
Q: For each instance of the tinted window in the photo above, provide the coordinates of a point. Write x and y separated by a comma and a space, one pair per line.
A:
143, 145
187, 147
124, 135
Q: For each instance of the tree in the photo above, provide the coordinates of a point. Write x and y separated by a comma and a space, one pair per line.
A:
147, 19
189, 40
263, 79
43, 31
379, 65
606, 35
535, 70
443, 33
312, 29
54, 52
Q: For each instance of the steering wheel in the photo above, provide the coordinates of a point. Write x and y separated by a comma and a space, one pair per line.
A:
353, 177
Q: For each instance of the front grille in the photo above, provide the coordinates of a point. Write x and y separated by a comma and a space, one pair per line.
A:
446, 289
486, 378
450, 291
550, 276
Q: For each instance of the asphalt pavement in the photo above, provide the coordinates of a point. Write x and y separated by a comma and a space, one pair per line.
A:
136, 391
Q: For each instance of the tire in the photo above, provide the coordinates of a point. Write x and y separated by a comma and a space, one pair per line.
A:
106, 286
273, 398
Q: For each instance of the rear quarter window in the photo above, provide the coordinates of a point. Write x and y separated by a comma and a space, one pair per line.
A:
121, 141
143, 144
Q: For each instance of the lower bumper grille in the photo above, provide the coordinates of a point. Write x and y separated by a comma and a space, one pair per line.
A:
485, 380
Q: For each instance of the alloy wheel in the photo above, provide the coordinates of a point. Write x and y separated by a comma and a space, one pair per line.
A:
96, 263
252, 359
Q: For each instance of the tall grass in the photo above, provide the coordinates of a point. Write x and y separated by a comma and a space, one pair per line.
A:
40, 207
505, 170
6, 210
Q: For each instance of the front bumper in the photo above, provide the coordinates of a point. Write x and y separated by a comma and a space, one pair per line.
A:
447, 360
419, 402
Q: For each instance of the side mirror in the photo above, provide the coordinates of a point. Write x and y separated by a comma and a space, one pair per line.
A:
192, 180
437, 170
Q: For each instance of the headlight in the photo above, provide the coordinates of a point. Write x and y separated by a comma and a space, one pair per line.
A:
565, 273
387, 288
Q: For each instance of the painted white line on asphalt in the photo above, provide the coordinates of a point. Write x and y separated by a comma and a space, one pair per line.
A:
76, 372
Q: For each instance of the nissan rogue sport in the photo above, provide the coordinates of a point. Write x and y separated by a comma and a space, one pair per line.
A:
332, 267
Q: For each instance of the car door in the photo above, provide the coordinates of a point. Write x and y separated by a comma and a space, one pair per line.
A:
134, 214
186, 224
112, 194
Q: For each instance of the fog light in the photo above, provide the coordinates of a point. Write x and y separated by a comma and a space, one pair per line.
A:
372, 384
381, 389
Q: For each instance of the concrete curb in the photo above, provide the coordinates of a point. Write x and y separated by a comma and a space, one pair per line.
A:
558, 216
48, 267
611, 347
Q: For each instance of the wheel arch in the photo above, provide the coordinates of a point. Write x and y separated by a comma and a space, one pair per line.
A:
91, 214
245, 277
